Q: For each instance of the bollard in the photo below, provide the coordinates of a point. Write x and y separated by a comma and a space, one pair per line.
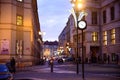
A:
51, 63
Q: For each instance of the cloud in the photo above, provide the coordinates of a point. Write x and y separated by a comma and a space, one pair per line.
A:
53, 15
53, 21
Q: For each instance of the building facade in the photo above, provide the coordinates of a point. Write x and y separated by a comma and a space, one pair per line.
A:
50, 49
19, 27
66, 38
101, 38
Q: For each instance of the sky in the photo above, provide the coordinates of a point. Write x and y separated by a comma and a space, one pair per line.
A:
53, 16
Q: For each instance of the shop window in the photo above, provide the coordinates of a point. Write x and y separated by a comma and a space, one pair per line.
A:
113, 57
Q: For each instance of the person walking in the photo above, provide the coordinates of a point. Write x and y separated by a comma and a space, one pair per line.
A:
13, 63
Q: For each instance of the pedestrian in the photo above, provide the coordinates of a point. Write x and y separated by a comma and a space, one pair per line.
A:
9, 66
117, 59
13, 63
108, 59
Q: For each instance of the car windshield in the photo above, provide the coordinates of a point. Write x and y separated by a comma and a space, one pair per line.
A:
3, 68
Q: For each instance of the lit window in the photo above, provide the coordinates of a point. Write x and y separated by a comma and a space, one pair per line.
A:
113, 36
19, 20
105, 37
20, 0
95, 36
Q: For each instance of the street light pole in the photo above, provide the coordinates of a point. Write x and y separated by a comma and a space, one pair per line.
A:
76, 6
80, 24
77, 45
82, 58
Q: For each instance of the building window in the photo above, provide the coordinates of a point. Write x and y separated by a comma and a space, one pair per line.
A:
95, 36
19, 20
104, 16
94, 17
113, 55
112, 12
20, 0
19, 47
105, 37
113, 36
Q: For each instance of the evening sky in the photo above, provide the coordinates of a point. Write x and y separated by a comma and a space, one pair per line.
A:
53, 16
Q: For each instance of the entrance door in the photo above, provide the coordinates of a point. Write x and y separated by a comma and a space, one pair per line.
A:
94, 52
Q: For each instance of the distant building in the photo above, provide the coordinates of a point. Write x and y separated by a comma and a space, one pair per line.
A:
101, 38
66, 37
50, 48
19, 27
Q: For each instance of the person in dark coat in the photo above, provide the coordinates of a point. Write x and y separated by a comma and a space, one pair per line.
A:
9, 66
13, 63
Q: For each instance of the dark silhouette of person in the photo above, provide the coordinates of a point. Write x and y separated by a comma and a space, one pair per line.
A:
108, 59
13, 63
117, 59
9, 66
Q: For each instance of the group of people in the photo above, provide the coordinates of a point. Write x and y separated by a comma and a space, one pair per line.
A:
11, 65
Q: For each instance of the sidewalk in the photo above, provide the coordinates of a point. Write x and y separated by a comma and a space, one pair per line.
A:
107, 65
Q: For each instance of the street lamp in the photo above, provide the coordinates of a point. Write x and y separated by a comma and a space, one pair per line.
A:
80, 24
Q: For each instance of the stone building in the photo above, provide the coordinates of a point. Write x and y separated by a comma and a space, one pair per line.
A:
101, 38
19, 27
50, 49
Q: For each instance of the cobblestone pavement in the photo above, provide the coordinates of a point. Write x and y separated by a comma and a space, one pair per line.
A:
60, 72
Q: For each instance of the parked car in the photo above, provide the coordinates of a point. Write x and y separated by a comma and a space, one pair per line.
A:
42, 61
60, 60
69, 59
5, 73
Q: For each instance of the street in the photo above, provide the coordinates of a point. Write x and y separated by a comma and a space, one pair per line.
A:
67, 71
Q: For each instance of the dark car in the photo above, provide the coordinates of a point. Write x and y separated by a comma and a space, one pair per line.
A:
42, 61
69, 59
5, 73
60, 60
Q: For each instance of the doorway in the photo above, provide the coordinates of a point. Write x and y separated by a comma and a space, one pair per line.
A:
94, 53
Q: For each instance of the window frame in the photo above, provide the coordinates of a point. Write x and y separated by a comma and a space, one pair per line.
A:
105, 37
112, 13
19, 22
95, 36
112, 36
104, 16
94, 17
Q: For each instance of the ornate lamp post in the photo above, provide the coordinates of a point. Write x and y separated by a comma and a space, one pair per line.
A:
80, 24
